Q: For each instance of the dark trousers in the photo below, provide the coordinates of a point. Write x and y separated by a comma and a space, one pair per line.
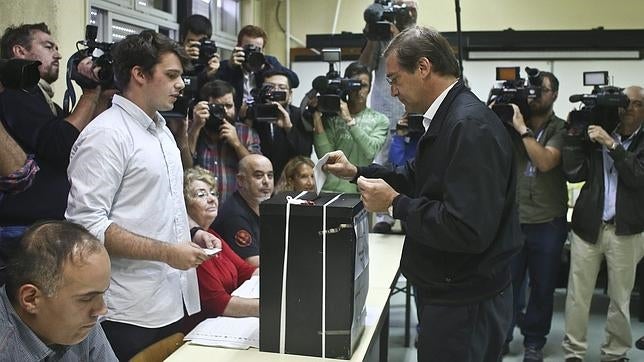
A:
465, 333
127, 339
540, 258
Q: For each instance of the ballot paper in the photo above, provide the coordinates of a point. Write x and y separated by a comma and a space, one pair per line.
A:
211, 251
249, 289
228, 332
319, 174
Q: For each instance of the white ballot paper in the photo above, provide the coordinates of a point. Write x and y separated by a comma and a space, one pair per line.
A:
319, 174
229, 332
249, 289
211, 251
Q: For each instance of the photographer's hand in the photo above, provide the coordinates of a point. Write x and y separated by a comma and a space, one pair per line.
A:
517, 120
599, 135
284, 119
228, 133
237, 57
213, 65
318, 125
86, 68
200, 115
192, 48
344, 112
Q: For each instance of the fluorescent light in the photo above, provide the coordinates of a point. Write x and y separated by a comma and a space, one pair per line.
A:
553, 54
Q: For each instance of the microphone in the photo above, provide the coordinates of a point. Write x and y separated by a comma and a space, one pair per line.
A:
320, 83
373, 13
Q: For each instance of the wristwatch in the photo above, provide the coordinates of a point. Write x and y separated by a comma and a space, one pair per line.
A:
528, 133
193, 231
613, 146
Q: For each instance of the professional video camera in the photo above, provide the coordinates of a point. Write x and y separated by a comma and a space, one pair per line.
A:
254, 59
414, 126
381, 14
511, 88
19, 73
261, 109
331, 87
217, 116
600, 107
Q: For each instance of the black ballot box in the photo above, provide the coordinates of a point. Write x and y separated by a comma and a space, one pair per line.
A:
291, 298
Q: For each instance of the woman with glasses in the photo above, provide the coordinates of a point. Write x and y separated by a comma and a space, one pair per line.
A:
220, 275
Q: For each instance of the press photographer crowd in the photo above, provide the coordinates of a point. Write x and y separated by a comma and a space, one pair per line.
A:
111, 205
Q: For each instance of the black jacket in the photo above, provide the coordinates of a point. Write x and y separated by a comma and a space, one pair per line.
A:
458, 200
583, 161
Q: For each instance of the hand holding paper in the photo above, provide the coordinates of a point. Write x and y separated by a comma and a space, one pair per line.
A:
376, 194
318, 173
338, 164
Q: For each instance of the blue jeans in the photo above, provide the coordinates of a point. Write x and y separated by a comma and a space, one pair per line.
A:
540, 257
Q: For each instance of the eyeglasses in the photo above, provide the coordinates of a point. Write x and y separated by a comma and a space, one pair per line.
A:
202, 194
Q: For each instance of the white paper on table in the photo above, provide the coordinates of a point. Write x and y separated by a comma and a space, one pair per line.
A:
249, 289
319, 174
229, 332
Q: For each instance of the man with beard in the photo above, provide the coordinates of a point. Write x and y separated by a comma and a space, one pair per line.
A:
219, 143
42, 129
238, 221
542, 197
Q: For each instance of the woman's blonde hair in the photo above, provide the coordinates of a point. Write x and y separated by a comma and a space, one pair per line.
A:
290, 170
197, 174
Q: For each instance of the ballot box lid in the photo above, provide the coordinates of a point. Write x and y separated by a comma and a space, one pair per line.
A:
346, 205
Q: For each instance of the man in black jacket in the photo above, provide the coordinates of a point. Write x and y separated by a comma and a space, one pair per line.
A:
457, 198
607, 223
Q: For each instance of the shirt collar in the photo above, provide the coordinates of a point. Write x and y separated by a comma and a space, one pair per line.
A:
137, 113
36, 347
619, 137
431, 112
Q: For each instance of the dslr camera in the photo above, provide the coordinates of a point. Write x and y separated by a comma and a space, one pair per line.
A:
512, 89
254, 59
261, 108
600, 107
216, 118
19, 73
381, 14
331, 87
207, 49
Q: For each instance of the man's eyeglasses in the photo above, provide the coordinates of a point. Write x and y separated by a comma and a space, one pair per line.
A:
202, 194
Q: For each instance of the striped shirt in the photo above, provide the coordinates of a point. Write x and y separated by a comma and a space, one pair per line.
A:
19, 343
221, 159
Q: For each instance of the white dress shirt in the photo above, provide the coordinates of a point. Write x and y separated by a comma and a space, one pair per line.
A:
431, 112
125, 168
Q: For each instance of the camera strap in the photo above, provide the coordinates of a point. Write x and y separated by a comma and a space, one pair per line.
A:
69, 99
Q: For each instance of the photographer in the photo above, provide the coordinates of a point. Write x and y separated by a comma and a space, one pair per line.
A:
357, 130
286, 137
381, 99
542, 197
194, 30
247, 64
39, 126
217, 140
607, 223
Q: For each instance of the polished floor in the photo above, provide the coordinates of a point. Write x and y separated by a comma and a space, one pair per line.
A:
552, 350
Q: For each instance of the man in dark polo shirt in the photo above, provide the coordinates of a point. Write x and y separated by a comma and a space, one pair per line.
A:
542, 197
238, 220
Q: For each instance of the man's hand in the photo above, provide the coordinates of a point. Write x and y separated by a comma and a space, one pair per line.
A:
228, 133
599, 135
213, 65
344, 112
86, 68
284, 119
192, 48
517, 120
376, 194
205, 239
200, 115
318, 125
184, 256
237, 57
339, 165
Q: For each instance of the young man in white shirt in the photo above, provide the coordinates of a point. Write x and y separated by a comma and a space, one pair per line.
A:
127, 190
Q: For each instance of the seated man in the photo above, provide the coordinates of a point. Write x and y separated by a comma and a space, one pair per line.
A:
356, 130
244, 74
219, 276
50, 306
218, 141
238, 222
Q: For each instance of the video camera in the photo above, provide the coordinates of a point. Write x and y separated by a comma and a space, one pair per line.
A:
19, 73
512, 89
381, 14
600, 107
261, 109
101, 56
331, 87
254, 59
414, 127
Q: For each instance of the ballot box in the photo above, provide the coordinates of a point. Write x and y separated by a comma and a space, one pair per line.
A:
314, 274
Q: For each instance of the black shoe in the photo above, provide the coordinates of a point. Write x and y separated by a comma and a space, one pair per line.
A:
506, 349
640, 343
574, 359
532, 354
382, 227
